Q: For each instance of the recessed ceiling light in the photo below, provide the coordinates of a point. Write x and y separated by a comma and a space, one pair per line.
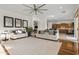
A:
52, 16
61, 7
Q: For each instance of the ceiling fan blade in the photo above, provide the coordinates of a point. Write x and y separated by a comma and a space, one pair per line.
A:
41, 6
27, 9
27, 6
43, 9
31, 12
34, 6
40, 12
35, 12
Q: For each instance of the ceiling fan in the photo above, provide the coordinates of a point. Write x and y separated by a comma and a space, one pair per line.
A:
36, 9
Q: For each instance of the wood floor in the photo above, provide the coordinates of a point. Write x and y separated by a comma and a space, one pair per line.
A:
68, 48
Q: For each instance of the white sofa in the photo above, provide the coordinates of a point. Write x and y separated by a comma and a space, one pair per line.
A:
49, 36
4, 36
19, 34
16, 36
12, 35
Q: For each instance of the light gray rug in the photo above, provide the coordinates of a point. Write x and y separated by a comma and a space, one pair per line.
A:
2, 52
32, 46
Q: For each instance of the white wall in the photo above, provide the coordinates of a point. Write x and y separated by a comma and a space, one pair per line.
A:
11, 14
53, 10
42, 22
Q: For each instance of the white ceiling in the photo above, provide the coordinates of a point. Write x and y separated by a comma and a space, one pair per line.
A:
54, 10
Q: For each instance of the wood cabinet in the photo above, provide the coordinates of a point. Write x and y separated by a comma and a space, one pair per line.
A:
64, 27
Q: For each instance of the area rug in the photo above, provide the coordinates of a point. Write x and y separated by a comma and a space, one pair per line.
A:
2, 51
32, 46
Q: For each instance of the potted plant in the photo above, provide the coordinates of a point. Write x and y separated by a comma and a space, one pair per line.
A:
29, 30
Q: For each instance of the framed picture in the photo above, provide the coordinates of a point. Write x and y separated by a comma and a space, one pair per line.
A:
18, 23
25, 23
8, 21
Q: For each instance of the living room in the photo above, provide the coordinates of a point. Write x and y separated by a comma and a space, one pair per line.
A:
51, 23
